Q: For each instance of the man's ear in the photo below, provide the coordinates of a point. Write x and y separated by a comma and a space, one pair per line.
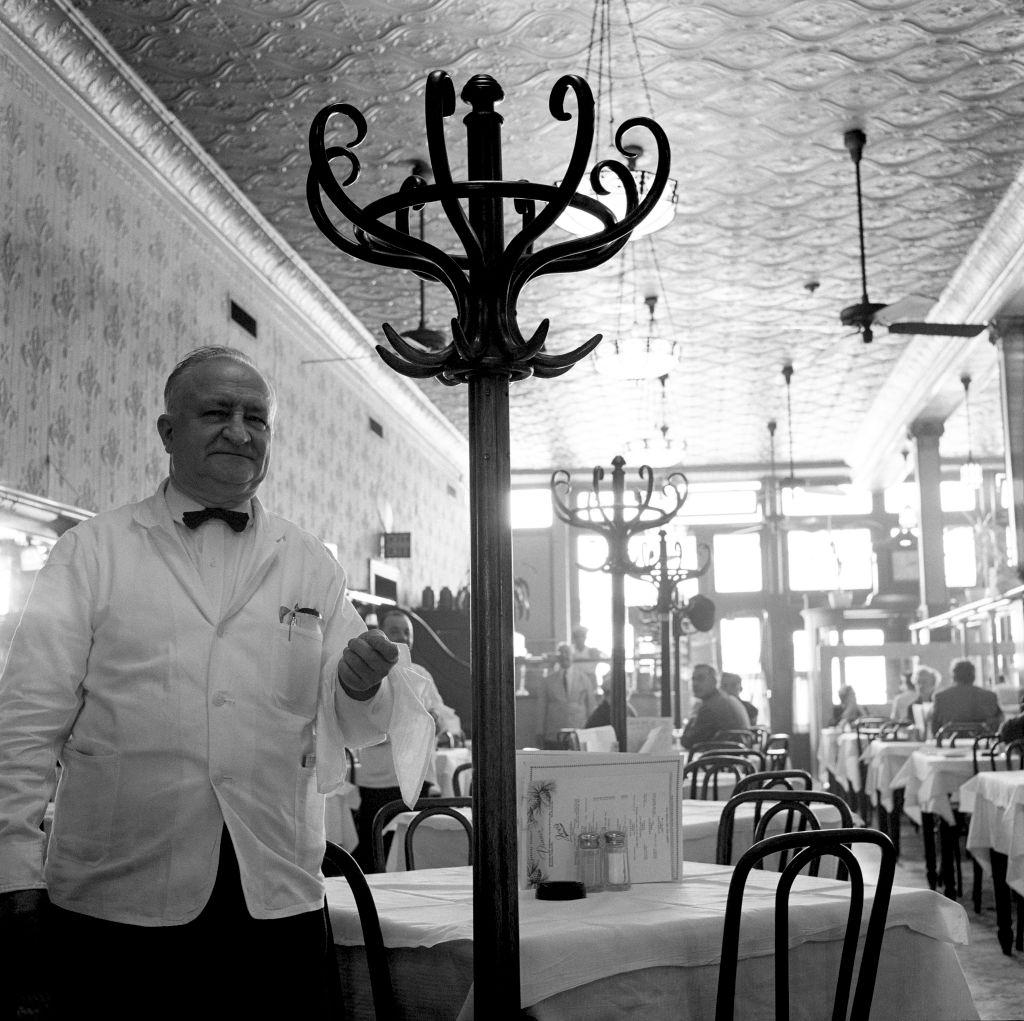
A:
165, 428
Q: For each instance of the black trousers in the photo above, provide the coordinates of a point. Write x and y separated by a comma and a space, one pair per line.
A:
371, 801
223, 964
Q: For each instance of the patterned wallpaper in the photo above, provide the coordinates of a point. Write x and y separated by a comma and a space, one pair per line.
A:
108, 278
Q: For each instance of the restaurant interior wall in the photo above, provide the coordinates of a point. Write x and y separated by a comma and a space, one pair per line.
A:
110, 274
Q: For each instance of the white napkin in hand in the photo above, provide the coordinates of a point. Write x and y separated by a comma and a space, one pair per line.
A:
412, 733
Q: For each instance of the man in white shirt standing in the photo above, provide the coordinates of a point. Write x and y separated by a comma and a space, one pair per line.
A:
195, 667
375, 774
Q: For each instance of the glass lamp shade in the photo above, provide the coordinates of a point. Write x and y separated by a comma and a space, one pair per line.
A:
649, 358
581, 223
971, 474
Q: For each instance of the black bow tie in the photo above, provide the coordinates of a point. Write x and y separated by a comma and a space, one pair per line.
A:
236, 520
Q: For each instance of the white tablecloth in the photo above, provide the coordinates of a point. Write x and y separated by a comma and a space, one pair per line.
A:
446, 761
885, 759
846, 768
657, 936
828, 750
996, 801
931, 779
440, 842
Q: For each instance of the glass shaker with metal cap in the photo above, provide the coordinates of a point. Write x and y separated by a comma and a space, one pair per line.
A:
590, 862
616, 861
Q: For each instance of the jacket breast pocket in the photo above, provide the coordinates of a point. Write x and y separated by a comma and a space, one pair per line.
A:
296, 678
85, 803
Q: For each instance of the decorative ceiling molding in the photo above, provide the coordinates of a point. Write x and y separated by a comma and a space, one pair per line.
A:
81, 59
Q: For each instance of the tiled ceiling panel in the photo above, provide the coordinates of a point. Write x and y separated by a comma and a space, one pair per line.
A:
755, 96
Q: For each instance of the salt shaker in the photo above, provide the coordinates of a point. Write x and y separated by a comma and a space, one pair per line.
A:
589, 862
616, 863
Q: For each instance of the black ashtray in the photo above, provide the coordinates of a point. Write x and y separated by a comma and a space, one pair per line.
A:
560, 889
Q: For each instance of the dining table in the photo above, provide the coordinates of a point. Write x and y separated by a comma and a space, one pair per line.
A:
884, 759
440, 841
995, 838
931, 779
649, 952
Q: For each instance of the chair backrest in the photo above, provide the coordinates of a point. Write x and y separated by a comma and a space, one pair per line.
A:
568, 739
338, 862
867, 728
460, 771
809, 846
350, 767
1012, 749
985, 746
949, 732
387, 812
714, 747
774, 779
777, 751
768, 803
896, 730
761, 734
743, 737
425, 813
703, 773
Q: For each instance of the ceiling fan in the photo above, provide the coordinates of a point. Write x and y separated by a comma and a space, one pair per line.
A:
867, 314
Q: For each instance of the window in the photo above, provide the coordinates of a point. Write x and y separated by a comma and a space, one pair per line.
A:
953, 496
722, 503
958, 552
531, 508
736, 562
826, 560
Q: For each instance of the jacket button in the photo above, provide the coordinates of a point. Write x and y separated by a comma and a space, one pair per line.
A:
219, 699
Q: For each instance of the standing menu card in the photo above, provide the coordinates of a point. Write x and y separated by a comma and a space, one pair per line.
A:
563, 794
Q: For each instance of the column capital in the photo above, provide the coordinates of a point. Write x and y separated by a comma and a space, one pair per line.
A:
926, 428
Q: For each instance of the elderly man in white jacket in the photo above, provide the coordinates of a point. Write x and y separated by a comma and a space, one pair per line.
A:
193, 664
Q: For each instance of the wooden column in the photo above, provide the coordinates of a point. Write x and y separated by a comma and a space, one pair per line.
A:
934, 596
1010, 349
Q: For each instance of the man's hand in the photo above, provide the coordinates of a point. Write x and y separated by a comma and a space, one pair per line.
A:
366, 662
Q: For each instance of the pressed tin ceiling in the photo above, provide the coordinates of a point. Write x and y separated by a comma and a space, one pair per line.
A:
754, 95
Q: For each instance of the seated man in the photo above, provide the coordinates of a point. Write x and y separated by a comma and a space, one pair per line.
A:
732, 684
904, 699
718, 711
965, 703
375, 774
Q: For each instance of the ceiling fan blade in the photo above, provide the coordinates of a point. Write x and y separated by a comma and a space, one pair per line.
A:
939, 329
913, 306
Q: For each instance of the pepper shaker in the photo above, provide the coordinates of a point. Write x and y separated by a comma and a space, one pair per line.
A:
589, 862
616, 862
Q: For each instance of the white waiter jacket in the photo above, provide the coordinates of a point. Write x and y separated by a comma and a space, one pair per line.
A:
172, 720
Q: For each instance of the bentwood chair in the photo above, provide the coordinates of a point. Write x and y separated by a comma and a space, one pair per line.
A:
896, 730
338, 862
460, 771
387, 812
811, 846
985, 746
1015, 748
435, 809
948, 733
703, 774
761, 734
716, 747
776, 750
784, 779
743, 737
796, 808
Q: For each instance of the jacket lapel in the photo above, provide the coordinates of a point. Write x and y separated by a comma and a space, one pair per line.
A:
153, 515
268, 545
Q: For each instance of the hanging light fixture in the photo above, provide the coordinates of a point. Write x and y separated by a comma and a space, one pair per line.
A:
970, 470
581, 223
648, 357
657, 448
